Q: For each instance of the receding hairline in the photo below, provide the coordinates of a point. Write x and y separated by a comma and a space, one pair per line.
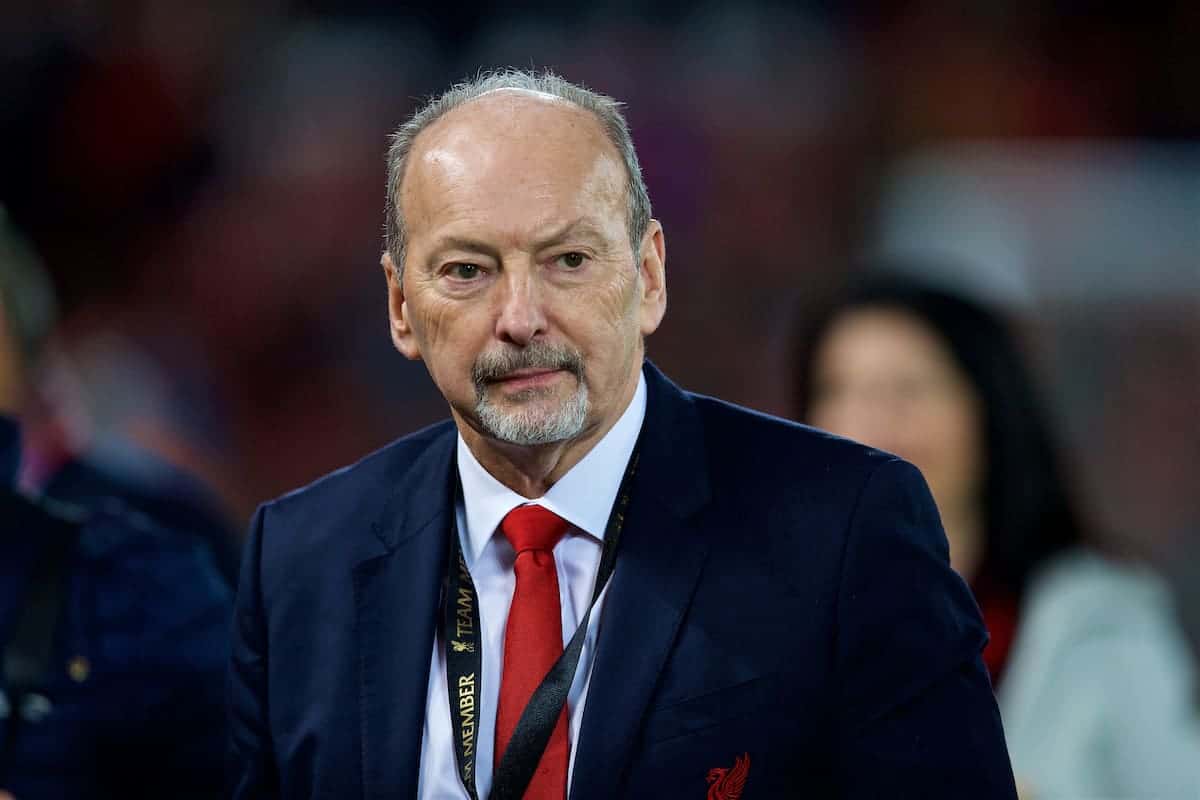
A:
524, 87
536, 94
600, 144
419, 146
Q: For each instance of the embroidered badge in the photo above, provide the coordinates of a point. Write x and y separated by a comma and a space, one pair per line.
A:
726, 783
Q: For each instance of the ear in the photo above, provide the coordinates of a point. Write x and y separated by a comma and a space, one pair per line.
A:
402, 333
652, 266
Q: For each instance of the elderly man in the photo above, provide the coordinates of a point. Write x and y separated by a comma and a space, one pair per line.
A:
590, 583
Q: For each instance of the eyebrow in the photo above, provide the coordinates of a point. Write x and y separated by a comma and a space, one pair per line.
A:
582, 226
464, 243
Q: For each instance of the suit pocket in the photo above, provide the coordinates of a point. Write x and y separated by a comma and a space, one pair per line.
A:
710, 709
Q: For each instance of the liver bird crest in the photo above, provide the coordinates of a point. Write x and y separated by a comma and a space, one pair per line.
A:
726, 783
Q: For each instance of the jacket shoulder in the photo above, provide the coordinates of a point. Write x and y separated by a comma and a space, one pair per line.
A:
380, 471
801, 489
156, 597
768, 445
339, 517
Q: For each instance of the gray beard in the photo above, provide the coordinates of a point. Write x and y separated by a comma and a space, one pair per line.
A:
529, 424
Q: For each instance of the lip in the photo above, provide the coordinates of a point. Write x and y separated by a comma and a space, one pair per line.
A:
531, 378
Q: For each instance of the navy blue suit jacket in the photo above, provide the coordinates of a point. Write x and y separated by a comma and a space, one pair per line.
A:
780, 594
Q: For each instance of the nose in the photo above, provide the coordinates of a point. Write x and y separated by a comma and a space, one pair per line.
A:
522, 317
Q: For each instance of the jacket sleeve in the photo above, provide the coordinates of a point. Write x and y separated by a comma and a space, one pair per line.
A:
251, 769
918, 718
167, 606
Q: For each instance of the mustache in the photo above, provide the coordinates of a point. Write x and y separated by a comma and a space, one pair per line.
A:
493, 366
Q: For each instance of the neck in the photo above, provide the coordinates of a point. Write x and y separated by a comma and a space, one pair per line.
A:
530, 471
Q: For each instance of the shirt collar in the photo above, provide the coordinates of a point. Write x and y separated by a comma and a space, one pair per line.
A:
583, 497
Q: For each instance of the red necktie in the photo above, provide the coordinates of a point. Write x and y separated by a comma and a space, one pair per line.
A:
533, 641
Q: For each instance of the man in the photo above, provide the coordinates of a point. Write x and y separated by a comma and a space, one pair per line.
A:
781, 620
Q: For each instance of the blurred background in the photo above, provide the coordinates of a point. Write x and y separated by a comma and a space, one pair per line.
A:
202, 183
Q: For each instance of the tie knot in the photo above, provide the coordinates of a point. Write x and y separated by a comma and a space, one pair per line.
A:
532, 527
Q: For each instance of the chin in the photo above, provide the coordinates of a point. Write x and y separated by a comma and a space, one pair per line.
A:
542, 419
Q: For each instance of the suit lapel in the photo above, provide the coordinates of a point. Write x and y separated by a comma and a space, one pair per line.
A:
659, 562
398, 593
397, 596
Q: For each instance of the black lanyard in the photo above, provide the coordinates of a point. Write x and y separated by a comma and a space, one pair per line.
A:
464, 647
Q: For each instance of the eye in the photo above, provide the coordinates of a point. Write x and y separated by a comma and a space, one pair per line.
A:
571, 260
463, 271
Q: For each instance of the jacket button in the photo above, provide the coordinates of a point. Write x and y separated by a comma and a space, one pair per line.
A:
79, 668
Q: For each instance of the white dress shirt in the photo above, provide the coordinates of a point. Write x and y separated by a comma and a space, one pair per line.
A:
584, 497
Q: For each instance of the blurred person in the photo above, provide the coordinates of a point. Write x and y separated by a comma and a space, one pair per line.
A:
1094, 680
438, 620
114, 635
938, 380
65, 459
113, 641
110, 431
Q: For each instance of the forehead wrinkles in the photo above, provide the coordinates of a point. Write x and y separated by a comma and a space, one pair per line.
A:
495, 161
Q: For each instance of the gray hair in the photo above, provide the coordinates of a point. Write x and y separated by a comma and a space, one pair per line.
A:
606, 110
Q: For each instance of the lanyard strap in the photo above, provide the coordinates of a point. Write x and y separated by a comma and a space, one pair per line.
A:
464, 660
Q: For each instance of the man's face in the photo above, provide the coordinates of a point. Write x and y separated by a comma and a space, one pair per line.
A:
521, 290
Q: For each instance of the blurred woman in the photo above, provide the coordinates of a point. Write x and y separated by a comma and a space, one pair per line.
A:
937, 380
1094, 681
